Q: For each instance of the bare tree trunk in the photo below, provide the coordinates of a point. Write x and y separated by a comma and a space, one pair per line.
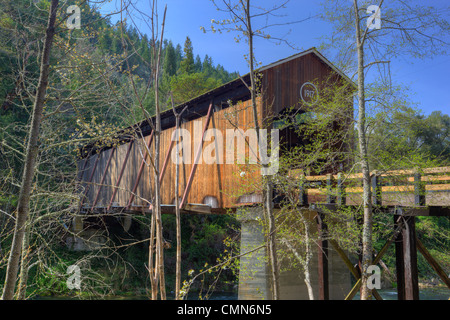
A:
177, 204
23, 275
308, 257
367, 249
156, 207
178, 219
271, 237
151, 269
30, 159
267, 184
305, 264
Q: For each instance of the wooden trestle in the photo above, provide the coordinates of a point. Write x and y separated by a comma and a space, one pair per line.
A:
332, 189
336, 191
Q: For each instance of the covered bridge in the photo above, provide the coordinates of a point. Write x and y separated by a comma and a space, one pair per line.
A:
120, 179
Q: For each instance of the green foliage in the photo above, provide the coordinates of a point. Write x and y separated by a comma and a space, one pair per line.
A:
188, 64
193, 78
407, 139
205, 242
187, 86
170, 60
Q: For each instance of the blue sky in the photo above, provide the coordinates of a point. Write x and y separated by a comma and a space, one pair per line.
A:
427, 79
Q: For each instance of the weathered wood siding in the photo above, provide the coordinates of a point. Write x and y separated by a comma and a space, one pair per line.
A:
281, 83
219, 180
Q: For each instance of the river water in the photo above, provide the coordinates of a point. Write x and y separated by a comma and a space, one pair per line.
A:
429, 293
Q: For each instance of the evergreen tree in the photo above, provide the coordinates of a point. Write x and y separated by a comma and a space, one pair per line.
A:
188, 64
145, 49
170, 60
207, 67
178, 55
198, 64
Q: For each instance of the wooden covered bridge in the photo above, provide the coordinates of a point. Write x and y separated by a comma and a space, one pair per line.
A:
119, 179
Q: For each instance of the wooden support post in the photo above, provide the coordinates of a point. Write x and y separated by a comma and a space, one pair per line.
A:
406, 260
105, 171
341, 196
377, 259
324, 292
376, 189
197, 156
124, 164
419, 190
410, 255
141, 169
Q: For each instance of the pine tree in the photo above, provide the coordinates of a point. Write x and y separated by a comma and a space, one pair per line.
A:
207, 67
178, 55
145, 49
187, 64
170, 60
198, 64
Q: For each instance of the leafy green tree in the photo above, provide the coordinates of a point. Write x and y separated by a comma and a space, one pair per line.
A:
187, 86
406, 138
434, 136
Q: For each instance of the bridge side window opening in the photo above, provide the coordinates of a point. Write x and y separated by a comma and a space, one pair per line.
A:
290, 123
296, 136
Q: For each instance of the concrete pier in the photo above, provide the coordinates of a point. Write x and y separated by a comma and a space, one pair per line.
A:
254, 277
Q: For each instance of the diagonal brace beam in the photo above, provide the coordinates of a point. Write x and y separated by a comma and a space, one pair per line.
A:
130, 144
141, 169
377, 259
197, 156
90, 180
105, 171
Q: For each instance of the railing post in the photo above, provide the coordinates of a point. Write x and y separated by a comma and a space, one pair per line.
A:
341, 196
331, 198
419, 190
376, 189
302, 194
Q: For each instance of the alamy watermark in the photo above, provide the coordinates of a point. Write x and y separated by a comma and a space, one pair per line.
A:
374, 280
235, 143
74, 20
374, 21
74, 280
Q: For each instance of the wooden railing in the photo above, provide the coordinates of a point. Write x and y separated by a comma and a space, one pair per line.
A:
341, 188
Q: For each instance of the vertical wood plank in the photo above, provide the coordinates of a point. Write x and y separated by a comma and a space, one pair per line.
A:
406, 260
